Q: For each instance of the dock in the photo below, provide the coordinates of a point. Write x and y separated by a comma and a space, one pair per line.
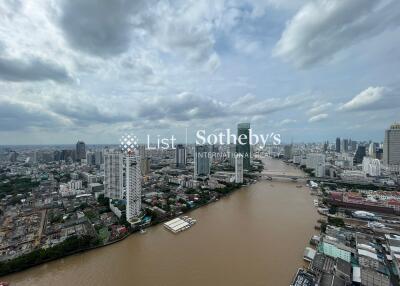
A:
179, 224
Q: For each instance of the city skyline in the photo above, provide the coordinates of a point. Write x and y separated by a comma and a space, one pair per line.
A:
305, 69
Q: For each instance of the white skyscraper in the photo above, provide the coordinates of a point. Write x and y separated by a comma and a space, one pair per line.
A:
238, 169
113, 175
391, 146
133, 186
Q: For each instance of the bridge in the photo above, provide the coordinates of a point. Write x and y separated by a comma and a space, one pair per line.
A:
269, 175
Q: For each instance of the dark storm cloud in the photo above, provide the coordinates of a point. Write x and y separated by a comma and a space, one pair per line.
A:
31, 70
101, 27
85, 113
16, 116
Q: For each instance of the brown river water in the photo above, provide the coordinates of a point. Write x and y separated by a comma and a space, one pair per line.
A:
255, 236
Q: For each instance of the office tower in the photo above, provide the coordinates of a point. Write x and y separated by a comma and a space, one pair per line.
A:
133, 186
180, 156
372, 149
353, 145
201, 161
80, 150
99, 158
360, 154
287, 152
239, 169
391, 146
113, 175
243, 143
338, 145
345, 145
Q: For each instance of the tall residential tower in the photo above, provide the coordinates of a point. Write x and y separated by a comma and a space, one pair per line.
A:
133, 187
391, 146
113, 175
243, 143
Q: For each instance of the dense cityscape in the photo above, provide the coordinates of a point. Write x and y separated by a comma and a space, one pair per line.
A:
59, 200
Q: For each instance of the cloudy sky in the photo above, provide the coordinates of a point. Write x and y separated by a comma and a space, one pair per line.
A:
94, 70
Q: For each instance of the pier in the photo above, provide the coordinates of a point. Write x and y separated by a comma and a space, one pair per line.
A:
179, 224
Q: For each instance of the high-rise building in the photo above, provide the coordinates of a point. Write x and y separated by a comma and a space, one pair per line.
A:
232, 154
391, 146
238, 169
379, 153
201, 161
372, 149
99, 158
133, 187
113, 175
345, 145
180, 156
360, 154
353, 145
80, 150
338, 145
243, 143
287, 152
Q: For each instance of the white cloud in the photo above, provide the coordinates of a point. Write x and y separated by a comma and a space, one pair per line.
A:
321, 28
372, 98
287, 121
319, 107
317, 118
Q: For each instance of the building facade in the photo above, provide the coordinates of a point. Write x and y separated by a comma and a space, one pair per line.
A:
391, 146
113, 175
338, 145
201, 161
243, 143
80, 150
238, 169
133, 187
180, 156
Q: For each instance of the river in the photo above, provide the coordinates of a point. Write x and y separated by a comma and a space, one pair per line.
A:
255, 236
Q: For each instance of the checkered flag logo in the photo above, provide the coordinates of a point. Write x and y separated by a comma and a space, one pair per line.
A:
129, 143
